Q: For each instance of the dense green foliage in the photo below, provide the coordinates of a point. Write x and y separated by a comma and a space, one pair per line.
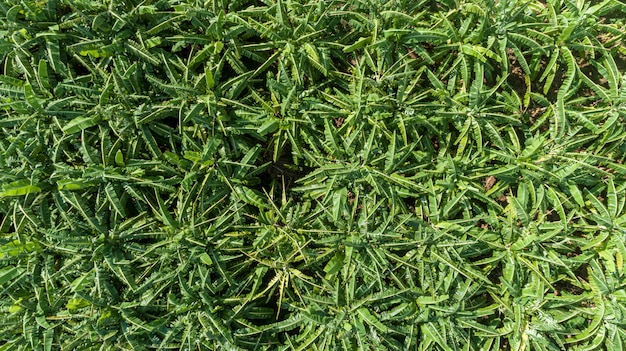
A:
276, 174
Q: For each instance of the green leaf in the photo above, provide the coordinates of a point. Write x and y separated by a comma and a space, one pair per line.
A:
359, 44
339, 201
612, 201
31, 98
520, 210
42, 74
119, 158
72, 184
370, 319
79, 124
82, 282
206, 259
391, 154
76, 303
113, 198
268, 127
334, 265
19, 188
9, 273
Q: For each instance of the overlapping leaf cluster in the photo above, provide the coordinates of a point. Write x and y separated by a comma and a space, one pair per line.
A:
312, 175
